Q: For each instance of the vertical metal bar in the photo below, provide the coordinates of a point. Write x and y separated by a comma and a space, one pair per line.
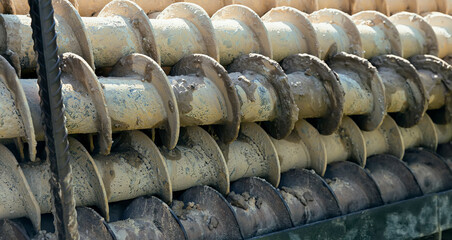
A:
52, 108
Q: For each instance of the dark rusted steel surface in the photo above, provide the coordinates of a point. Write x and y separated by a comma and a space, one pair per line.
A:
308, 197
10, 230
430, 170
354, 188
394, 179
148, 218
205, 214
445, 151
259, 207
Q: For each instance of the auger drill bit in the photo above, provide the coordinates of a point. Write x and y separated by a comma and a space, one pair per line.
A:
416, 34
107, 101
317, 91
405, 94
255, 89
252, 155
232, 31
153, 219
126, 26
336, 33
206, 95
17, 198
392, 7
354, 188
199, 213
435, 75
205, 214
15, 112
394, 179
421, 135
363, 87
308, 197
101, 179
307, 148
441, 26
430, 170
259, 207
379, 35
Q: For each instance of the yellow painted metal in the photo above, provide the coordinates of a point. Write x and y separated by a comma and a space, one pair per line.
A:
89, 8
264, 94
87, 182
205, 95
363, 88
196, 160
363, 5
387, 139
317, 91
307, 148
293, 153
421, 135
136, 168
110, 103
391, 7
86, 37
343, 5
444, 132
307, 6
252, 155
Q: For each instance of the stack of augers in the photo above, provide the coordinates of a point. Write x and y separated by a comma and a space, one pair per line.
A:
231, 126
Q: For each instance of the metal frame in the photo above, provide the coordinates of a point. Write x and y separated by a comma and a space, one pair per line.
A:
414, 218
